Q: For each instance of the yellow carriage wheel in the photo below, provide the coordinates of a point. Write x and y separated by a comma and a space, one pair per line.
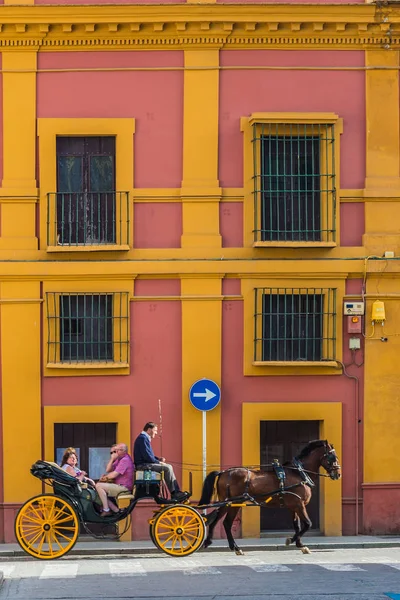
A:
46, 527
179, 530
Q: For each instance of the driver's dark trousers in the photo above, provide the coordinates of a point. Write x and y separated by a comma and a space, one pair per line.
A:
169, 475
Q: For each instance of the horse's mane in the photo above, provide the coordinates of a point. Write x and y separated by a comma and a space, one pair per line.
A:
310, 447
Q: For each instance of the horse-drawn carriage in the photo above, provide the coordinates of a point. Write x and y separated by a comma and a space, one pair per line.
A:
48, 525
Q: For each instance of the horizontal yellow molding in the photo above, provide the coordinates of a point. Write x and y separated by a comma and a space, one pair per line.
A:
20, 300
293, 244
60, 28
185, 298
7, 198
103, 248
292, 117
293, 363
183, 13
180, 195
93, 271
150, 195
86, 366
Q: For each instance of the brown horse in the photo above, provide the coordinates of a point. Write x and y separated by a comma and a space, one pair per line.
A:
264, 489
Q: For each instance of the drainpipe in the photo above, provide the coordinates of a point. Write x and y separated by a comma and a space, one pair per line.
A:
357, 437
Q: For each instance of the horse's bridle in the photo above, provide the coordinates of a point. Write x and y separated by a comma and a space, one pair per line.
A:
333, 465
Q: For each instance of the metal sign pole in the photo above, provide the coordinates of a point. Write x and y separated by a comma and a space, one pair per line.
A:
204, 444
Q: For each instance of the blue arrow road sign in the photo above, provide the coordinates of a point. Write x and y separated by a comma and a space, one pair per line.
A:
205, 394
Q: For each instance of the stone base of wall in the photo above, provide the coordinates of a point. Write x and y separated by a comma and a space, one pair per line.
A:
9, 512
381, 508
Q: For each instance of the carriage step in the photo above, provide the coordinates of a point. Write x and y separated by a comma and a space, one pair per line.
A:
126, 495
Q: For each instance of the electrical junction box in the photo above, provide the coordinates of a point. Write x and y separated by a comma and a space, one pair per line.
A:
353, 308
354, 343
354, 324
378, 311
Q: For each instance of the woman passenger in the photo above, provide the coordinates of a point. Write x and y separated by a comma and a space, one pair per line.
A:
69, 463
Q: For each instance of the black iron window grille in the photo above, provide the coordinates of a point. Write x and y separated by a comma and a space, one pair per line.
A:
295, 324
294, 182
86, 209
87, 327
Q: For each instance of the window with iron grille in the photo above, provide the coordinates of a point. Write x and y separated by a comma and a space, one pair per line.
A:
294, 182
295, 324
86, 210
88, 328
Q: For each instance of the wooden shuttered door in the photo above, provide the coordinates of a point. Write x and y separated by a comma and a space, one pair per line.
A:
284, 440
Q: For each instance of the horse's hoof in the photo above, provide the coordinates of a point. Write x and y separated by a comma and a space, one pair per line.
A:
239, 552
305, 550
288, 541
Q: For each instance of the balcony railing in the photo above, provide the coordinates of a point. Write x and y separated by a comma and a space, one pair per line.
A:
85, 219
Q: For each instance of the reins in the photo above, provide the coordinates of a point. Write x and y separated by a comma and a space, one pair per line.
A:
197, 467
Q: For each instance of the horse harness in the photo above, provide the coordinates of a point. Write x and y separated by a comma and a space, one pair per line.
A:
281, 476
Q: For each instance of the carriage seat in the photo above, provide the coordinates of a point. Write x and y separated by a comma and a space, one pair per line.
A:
125, 496
45, 470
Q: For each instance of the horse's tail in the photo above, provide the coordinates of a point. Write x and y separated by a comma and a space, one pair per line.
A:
208, 488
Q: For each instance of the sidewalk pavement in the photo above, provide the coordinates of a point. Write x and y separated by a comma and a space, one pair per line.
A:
110, 548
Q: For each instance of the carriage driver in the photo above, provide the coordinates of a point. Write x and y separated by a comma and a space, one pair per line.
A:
143, 457
118, 479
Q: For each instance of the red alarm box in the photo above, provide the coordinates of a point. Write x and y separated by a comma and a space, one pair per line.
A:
354, 324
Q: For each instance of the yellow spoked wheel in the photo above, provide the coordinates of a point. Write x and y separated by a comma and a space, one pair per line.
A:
178, 530
46, 527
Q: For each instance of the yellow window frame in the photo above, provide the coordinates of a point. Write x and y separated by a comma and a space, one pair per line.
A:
51, 330
329, 414
48, 129
328, 320
262, 368
329, 204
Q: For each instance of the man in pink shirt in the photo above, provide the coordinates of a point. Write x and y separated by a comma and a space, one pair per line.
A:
118, 480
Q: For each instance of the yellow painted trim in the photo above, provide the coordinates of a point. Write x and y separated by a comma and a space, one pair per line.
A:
200, 219
303, 364
88, 367
193, 298
21, 300
117, 413
19, 120
83, 285
49, 129
103, 248
19, 149
21, 388
330, 416
294, 117
258, 368
350, 261
283, 119
381, 418
175, 195
294, 244
61, 28
201, 357
382, 122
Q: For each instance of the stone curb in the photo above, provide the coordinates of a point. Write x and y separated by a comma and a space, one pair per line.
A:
8, 555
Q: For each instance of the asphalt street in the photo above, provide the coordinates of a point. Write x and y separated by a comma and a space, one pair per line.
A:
364, 574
